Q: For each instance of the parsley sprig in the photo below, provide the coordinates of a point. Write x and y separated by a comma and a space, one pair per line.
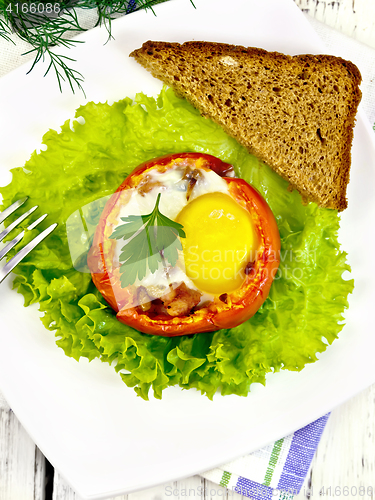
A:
150, 240
49, 24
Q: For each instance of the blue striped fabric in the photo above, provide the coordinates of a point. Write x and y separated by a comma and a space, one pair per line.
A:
275, 472
301, 453
252, 489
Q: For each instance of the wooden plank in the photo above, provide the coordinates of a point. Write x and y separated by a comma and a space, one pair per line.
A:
22, 465
61, 490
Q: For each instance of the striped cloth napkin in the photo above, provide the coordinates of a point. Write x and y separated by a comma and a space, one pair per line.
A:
278, 470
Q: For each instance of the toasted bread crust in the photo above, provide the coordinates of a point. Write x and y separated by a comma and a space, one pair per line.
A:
296, 113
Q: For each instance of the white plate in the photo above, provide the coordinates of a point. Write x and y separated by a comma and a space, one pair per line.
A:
101, 437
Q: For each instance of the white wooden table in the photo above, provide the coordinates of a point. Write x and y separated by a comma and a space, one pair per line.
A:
344, 465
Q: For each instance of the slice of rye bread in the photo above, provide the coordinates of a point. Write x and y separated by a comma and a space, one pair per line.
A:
296, 113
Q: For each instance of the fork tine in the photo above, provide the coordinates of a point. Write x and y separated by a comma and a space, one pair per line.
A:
11, 264
16, 222
19, 237
11, 209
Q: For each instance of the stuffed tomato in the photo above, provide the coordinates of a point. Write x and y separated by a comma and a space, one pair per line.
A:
184, 247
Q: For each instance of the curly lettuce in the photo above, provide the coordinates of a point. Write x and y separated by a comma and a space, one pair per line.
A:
87, 161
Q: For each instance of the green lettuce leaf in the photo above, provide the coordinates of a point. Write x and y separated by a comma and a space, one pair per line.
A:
85, 162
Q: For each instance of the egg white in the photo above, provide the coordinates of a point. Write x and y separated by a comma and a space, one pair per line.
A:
173, 189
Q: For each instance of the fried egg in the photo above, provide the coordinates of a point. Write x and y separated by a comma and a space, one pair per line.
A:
220, 235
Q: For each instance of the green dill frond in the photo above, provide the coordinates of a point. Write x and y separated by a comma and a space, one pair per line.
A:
5, 31
48, 25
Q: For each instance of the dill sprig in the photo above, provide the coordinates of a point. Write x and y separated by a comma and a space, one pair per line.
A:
50, 25
43, 33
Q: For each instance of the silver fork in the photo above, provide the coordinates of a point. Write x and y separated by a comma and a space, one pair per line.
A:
11, 264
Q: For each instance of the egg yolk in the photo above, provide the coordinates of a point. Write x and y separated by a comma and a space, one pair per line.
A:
220, 241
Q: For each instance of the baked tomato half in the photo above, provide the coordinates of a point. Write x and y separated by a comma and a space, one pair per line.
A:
218, 259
